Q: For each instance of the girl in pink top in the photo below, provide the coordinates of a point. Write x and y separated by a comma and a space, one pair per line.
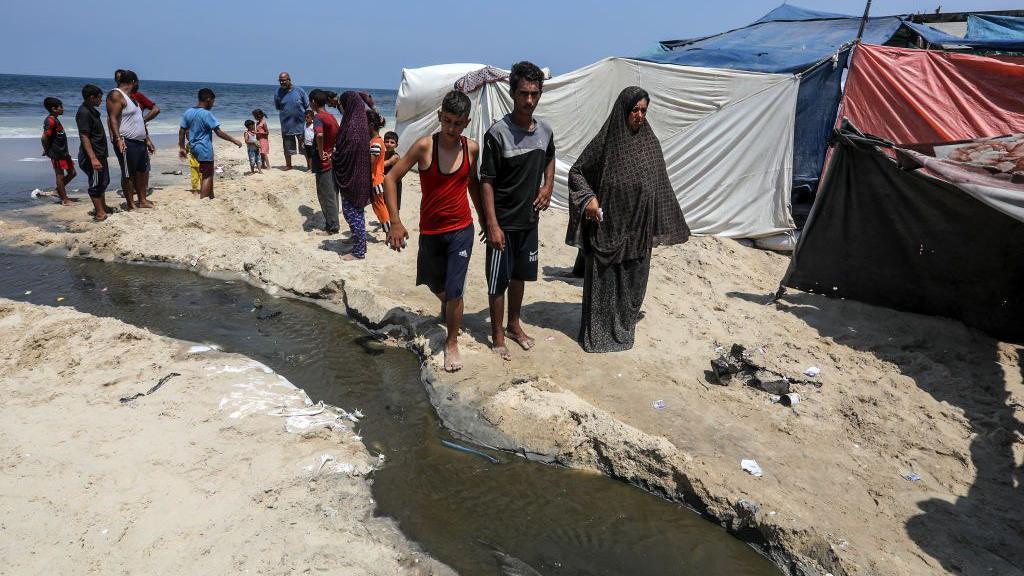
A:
262, 136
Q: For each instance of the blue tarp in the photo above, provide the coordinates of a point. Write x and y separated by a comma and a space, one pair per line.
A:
790, 39
940, 38
790, 12
990, 27
777, 46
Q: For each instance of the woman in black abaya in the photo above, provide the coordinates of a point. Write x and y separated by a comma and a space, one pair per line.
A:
621, 205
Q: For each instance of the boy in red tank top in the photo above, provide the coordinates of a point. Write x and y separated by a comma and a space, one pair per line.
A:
447, 167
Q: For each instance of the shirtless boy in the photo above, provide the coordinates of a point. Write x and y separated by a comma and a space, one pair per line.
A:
447, 167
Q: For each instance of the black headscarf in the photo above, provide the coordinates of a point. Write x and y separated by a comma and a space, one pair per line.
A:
351, 160
627, 174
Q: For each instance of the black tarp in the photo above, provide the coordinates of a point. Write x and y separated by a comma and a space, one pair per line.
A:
907, 240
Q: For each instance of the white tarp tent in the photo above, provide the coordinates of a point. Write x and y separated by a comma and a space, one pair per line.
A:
727, 135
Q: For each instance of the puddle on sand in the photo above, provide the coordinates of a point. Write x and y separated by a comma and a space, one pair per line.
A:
559, 521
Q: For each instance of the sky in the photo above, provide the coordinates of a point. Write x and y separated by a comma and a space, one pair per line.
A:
337, 44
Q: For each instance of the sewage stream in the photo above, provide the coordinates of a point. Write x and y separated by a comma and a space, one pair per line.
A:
558, 521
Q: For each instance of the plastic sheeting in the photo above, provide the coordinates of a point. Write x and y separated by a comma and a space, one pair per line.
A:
727, 135
911, 96
903, 239
790, 39
943, 40
777, 46
992, 27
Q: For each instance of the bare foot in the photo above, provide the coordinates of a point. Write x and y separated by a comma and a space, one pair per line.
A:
452, 358
524, 341
502, 352
350, 257
66, 202
99, 218
146, 204
286, 168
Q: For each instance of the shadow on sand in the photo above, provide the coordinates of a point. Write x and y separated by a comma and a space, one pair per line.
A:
981, 532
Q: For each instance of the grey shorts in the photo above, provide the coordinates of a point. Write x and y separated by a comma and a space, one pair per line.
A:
293, 143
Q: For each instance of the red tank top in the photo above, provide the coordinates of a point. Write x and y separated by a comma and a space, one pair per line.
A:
444, 204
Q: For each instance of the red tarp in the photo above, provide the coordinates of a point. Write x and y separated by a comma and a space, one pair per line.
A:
910, 96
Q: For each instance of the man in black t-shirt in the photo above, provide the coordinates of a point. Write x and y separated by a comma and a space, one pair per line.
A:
517, 174
92, 151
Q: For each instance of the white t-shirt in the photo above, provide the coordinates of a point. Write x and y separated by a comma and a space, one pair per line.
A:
309, 135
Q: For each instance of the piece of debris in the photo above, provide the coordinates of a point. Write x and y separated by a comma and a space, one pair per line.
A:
172, 172
549, 338
751, 467
268, 315
659, 404
912, 477
27, 292
812, 372
790, 399
739, 365
155, 387
466, 449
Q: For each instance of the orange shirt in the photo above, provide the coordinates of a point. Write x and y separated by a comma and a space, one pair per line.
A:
377, 160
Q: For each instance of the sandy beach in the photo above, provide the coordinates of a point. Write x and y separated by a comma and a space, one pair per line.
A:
898, 396
218, 471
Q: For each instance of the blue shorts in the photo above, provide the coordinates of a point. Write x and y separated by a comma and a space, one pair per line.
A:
442, 261
136, 157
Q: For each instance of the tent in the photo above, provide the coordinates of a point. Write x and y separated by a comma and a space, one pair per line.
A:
984, 32
727, 135
994, 27
934, 229
906, 95
790, 39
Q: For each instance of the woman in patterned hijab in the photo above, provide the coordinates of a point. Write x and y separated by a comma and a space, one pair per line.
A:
621, 205
351, 164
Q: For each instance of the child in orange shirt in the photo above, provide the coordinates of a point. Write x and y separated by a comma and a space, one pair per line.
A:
377, 156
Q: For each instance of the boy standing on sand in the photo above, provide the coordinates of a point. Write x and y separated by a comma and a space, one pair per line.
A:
55, 147
92, 150
325, 130
200, 125
391, 157
517, 175
447, 167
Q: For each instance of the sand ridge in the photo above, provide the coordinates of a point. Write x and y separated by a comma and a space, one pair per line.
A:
900, 393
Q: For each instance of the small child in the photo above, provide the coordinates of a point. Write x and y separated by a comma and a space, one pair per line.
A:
55, 147
391, 157
309, 139
376, 122
252, 147
262, 136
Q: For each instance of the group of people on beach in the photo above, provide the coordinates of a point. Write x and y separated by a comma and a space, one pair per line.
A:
621, 206
621, 202
128, 112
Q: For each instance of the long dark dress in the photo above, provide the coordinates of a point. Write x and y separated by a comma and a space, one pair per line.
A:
626, 172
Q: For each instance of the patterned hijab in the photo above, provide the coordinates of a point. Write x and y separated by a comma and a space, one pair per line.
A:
351, 158
626, 172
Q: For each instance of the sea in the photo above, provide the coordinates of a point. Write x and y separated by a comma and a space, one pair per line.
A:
23, 169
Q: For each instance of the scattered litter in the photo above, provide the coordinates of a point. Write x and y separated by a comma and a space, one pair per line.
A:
310, 411
37, 193
812, 372
27, 292
549, 338
380, 459
911, 477
60, 298
104, 290
268, 315
465, 449
659, 404
219, 170
172, 172
738, 364
156, 387
751, 467
324, 459
200, 348
790, 399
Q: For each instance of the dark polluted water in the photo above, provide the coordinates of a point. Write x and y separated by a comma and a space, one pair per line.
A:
558, 521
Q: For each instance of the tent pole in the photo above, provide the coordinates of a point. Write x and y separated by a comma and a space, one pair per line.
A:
864, 19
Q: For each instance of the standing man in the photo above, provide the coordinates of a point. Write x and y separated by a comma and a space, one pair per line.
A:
517, 175
325, 130
200, 125
291, 103
128, 132
92, 150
